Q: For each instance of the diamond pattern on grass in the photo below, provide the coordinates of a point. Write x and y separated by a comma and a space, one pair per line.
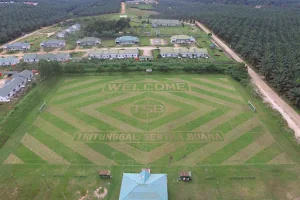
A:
88, 109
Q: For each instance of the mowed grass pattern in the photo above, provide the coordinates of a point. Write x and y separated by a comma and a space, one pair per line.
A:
176, 135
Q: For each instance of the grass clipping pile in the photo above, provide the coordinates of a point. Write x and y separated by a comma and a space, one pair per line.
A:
99, 193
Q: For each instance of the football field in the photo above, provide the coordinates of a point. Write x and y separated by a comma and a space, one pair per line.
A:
163, 122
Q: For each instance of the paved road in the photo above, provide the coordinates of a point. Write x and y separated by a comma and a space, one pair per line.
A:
269, 95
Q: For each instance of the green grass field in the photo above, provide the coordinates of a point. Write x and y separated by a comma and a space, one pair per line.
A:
164, 122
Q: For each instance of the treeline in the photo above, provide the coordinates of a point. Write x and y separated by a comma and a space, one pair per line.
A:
102, 28
18, 18
268, 38
281, 3
54, 69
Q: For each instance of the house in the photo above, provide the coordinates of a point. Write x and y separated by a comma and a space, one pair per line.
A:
144, 186
182, 39
30, 58
14, 84
135, 1
31, 3
60, 57
17, 46
67, 31
74, 28
34, 58
169, 52
89, 41
165, 22
53, 43
9, 60
62, 34
114, 53
150, 1
127, 40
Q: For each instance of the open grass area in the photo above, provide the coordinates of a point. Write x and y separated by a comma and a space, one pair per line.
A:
215, 54
155, 53
108, 43
77, 54
164, 122
50, 29
179, 30
141, 6
134, 12
144, 41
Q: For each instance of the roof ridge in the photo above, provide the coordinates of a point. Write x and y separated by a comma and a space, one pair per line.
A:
132, 188
155, 189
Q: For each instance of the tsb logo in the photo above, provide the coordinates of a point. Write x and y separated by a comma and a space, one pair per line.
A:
147, 109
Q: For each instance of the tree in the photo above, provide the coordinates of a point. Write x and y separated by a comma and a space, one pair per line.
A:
45, 69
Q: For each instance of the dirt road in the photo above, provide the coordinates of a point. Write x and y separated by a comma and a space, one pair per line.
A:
288, 113
26, 35
147, 50
123, 8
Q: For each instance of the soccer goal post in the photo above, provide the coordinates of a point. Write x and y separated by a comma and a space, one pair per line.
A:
42, 107
252, 106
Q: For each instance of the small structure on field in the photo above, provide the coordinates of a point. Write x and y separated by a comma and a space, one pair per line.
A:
145, 58
185, 176
212, 46
105, 174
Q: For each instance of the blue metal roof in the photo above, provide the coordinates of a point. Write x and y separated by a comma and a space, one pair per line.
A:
144, 186
127, 39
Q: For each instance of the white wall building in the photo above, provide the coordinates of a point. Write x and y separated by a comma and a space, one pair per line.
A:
114, 53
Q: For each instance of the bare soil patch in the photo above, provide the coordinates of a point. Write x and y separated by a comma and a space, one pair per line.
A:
100, 195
